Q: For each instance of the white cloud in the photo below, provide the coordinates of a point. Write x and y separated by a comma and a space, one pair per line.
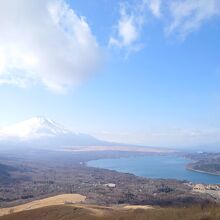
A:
131, 22
128, 29
155, 7
45, 41
180, 18
188, 16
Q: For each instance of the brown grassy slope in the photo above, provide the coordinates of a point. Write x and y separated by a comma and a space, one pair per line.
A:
51, 201
69, 212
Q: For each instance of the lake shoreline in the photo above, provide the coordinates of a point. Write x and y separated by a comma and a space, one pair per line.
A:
201, 171
162, 167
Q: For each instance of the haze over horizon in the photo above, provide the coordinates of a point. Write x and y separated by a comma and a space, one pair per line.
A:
134, 71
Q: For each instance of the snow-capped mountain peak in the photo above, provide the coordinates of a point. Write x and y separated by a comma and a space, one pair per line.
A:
34, 128
43, 133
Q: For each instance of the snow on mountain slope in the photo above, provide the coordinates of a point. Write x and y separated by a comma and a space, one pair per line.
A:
41, 132
33, 128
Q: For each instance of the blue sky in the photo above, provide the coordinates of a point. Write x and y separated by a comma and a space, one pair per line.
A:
140, 71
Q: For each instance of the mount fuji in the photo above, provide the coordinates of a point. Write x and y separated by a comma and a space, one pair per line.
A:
45, 133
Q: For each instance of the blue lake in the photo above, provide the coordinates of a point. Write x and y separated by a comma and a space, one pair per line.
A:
165, 167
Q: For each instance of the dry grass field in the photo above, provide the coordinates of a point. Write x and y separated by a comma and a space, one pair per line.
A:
122, 212
55, 200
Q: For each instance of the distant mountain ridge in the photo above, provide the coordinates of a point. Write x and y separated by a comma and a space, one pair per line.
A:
43, 132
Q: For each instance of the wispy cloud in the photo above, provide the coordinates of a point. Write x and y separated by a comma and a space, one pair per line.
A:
179, 17
154, 6
128, 28
188, 15
132, 20
45, 41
